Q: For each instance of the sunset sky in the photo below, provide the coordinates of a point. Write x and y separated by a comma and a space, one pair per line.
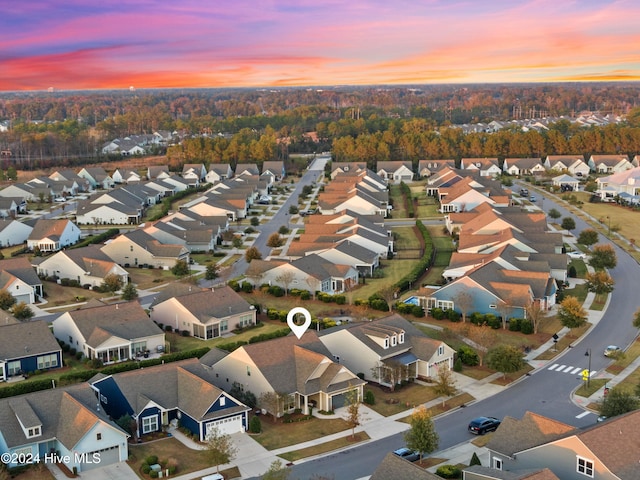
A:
81, 44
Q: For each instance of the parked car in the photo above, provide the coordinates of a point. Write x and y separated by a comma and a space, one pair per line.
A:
612, 351
577, 255
482, 425
407, 454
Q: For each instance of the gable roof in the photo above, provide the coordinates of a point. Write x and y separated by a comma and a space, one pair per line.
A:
18, 267
48, 228
394, 467
219, 302
25, 339
124, 320
66, 414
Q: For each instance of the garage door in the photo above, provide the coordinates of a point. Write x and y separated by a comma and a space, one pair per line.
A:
100, 458
338, 401
23, 298
227, 425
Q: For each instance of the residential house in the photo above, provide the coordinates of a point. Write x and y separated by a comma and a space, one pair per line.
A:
609, 163
566, 182
97, 177
523, 166
27, 192
310, 272
18, 277
478, 472
388, 350
13, 232
86, 265
350, 253
247, 169
26, 347
625, 183
599, 452
218, 172
67, 175
94, 212
299, 370
10, 207
155, 172
360, 191
61, 420
110, 333
395, 171
468, 193
194, 236
393, 466
194, 173
574, 164
426, 168
342, 167
49, 235
125, 176
174, 393
205, 314
274, 170
139, 249
486, 167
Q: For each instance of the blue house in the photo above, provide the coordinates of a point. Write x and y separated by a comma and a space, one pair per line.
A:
27, 347
180, 393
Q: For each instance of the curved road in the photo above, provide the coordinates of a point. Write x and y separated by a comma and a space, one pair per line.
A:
545, 391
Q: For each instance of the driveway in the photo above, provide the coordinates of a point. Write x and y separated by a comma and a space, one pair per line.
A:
116, 471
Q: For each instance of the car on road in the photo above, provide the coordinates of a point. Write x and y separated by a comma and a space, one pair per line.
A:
577, 255
612, 351
524, 192
407, 454
533, 198
482, 425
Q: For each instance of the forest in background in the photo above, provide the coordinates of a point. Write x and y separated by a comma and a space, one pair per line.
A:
67, 129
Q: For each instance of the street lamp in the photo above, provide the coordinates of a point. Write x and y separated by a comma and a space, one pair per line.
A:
588, 375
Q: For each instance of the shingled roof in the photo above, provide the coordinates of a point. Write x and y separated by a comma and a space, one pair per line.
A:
25, 339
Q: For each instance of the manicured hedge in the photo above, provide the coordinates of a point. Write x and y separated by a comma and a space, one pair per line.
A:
421, 266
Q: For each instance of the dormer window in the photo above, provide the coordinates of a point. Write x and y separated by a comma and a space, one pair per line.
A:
401, 338
34, 432
394, 340
386, 342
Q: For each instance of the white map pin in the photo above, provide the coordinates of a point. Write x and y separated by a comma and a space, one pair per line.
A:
298, 330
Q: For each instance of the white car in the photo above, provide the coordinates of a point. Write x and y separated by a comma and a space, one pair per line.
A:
577, 255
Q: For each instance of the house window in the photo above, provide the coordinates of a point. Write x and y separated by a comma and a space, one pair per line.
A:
131, 247
493, 307
98, 436
394, 340
585, 466
401, 338
70, 339
497, 463
441, 350
47, 361
33, 432
13, 368
223, 401
336, 358
150, 424
248, 371
386, 342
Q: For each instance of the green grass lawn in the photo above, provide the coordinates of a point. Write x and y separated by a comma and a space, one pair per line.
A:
409, 396
325, 447
278, 434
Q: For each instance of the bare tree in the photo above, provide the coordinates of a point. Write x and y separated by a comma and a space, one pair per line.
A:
504, 309
535, 314
445, 384
389, 294
220, 448
464, 301
390, 371
483, 337
272, 402
354, 416
285, 278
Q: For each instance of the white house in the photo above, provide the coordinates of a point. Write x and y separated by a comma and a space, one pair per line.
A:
13, 232
52, 235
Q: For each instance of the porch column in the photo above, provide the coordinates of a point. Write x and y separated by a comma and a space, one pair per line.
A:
305, 410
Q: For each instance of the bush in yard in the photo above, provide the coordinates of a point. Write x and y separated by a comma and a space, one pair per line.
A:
572, 272
151, 459
369, 397
234, 285
453, 316
255, 426
526, 327
246, 287
468, 356
449, 471
305, 295
492, 320
276, 291
475, 460
437, 313
145, 468
515, 324
457, 365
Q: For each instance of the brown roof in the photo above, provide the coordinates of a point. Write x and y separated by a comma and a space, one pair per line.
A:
46, 228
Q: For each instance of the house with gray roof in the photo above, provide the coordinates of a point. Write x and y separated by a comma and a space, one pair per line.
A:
609, 164
350, 253
205, 314
87, 265
110, 333
246, 169
51, 235
478, 472
300, 371
26, 347
137, 248
523, 166
393, 466
65, 421
174, 393
218, 172
194, 173
193, 235
395, 171
625, 183
18, 277
97, 177
601, 451
274, 170
426, 168
13, 232
388, 350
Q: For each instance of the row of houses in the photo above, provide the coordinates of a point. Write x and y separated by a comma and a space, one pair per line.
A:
506, 260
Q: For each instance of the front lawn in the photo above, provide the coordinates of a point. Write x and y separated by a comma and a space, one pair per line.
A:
409, 396
325, 447
279, 434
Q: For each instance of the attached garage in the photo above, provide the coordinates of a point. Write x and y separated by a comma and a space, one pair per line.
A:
338, 401
226, 426
98, 458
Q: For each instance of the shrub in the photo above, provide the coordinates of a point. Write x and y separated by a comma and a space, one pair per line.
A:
515, 324
437, 313
153, 474
475, 460
492, 320
305, 295
168, 328
151, 459
184, 333
453, 316
255, 426
449, 471
246, 287
468, 356
79, 355
146, 468
457, 365
276, 291
369, 397
526, 327
72, 352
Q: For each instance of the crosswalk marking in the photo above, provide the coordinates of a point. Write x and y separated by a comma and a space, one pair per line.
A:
583, 414
572, 370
